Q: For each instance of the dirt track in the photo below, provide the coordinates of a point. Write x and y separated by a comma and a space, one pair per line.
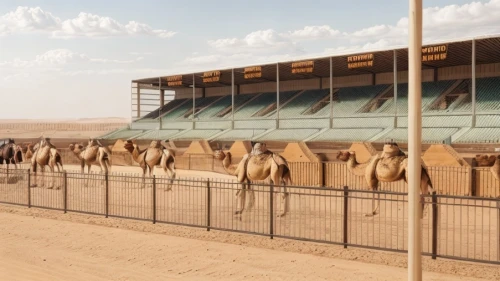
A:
66, 247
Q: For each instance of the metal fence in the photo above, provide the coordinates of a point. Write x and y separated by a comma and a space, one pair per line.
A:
456, 227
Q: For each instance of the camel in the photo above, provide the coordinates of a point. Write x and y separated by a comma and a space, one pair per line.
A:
257, 166
491, 161
95, 153
390, 166
155, 154
45, 154
10, 153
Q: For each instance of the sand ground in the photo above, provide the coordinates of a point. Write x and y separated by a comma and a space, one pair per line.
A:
48, 245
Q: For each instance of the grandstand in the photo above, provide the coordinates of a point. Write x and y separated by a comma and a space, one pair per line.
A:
343, 98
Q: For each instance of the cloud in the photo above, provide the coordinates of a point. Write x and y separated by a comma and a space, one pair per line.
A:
26, 19
312, 32
264, 41
439, 23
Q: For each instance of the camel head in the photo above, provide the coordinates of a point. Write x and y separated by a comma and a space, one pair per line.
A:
220, 155
344, 155
391, 148
92, 142
129, 146
483, 160
76, 148
155, 144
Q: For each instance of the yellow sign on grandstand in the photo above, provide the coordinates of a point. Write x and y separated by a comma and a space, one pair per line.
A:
434, 53
358, 61
173, 81
303, 67
211, 76
253, 72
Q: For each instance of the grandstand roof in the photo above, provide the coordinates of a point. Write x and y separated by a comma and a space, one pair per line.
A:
458, 52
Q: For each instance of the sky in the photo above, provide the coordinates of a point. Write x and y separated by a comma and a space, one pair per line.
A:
76, 59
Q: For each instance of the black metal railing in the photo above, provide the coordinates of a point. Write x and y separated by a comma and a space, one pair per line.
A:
455, 227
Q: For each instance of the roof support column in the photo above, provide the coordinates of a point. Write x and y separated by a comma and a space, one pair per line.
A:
138, 100
194, 97
473, 83
277, 95
232, 98
162, 100
395, 71
414, 140
331, 93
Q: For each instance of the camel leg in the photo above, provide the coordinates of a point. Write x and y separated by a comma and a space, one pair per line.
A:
242, 196
33, 167
425, 188
171, 168
251, 192
143, 176
51, 181
375, 205
104, 168
278, 179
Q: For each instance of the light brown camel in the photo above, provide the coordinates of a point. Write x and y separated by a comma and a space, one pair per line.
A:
491, 161
45, 154
257, 166
390, 166
155, 154
94, 154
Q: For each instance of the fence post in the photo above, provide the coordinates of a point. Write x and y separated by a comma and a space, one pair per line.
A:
271, 211
346, 210
106, 180
154, 199
65, 191
29, 189
434, 225
209, 204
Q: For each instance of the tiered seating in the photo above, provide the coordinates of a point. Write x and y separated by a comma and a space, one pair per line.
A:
298, 106
352, 99
429, 135
154, 114
212, 111
487, 95
348, 134
260, 103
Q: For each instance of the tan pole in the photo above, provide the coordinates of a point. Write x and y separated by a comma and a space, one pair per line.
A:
414, 139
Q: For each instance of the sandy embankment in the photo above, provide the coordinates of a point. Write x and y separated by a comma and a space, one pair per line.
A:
38, 249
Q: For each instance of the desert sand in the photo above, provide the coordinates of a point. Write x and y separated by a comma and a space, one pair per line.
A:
38, 249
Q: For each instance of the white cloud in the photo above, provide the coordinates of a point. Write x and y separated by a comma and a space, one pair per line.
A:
312, 32
439, 23
28, 19
25, 19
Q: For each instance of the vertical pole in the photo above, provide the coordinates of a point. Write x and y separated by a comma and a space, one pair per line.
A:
154, 199
162, 101
106, 181
194, 97
473, 82
346, 211
209, 204
414, 140
277, 95
434, 226
65, 191
232, 98
29, 189
395, 70
271, 211
138, 100
331, 92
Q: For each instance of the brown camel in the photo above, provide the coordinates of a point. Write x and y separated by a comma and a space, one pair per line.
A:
391, 166
45, 154
10, 153
94, 154
257, 166
155, 154
491, 161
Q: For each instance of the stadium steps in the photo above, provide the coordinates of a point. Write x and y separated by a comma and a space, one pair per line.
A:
316, 134
205, 107
459, 134
175, 107
381, 134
